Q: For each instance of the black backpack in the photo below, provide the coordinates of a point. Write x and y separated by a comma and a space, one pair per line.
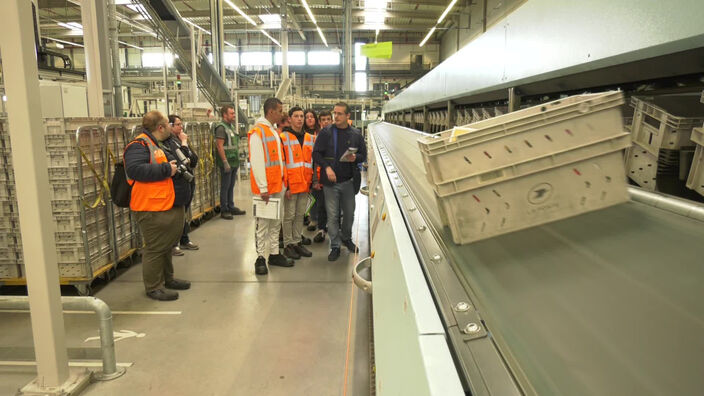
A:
120, 188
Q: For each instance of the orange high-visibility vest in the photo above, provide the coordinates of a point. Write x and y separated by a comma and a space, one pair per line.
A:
299, 162
155, 196
273, 158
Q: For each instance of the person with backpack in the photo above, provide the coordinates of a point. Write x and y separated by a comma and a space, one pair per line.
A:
227, 157
160, 191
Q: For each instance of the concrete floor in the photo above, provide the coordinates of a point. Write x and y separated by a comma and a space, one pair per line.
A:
236, 333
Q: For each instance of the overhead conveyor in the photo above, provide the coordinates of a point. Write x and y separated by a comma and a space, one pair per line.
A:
607, 302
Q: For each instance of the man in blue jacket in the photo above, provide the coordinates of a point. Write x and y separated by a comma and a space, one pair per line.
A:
338, 176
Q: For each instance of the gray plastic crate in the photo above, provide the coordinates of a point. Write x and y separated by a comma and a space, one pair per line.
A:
10, 271
665, 121
695, 180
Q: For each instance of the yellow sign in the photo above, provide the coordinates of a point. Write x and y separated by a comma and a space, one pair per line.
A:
377, 50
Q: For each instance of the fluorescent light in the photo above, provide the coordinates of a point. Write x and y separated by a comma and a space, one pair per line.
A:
310, 13
430, 33
196, 26
63, 41
250, 20
130, 45
137, 8
59, 45
270, 38
71, 25
230, 44
447, 10
4, 98
123, 2
322, 36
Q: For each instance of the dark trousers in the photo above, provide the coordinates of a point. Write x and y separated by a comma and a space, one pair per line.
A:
160, 230
227, 187
321, 214
340, 197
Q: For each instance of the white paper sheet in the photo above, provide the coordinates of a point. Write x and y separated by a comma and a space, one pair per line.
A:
271, 210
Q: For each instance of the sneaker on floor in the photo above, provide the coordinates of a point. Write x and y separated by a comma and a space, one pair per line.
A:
312, 227
291, 252
260, 266
305, 240
176, 251
226, 216
189, 246
280, 260
302, 251
334, 254
350, 246
177, 284
319, 237
162, 295
237, 212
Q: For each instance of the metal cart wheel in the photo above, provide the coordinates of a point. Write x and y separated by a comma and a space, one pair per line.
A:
84, 289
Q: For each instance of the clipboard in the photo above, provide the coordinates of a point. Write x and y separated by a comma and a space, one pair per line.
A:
351, 150
309, 203
263, 210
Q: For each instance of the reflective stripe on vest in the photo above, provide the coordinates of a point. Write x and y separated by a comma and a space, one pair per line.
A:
155, 196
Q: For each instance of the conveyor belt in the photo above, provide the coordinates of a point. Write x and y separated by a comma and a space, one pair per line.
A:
607, 303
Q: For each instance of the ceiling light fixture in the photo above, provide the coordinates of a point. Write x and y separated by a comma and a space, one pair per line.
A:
71, 25
312, 18
447, 10
310, 13
196, 26
230, 44
322, 36
130, 45
247, 17
270, 38
430, 33
63, 41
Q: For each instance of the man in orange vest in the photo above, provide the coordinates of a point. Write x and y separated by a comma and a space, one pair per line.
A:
159, 194
268, 180
298, 153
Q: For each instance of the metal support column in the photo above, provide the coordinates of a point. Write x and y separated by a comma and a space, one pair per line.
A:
21, 78
284, 41
217, 36
194, 60
348, 48
166, 79
115, 52
514, 99
97, 53
451, 115
426, 119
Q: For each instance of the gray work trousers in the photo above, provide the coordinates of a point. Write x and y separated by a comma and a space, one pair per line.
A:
294, 209
340, 197
160, 230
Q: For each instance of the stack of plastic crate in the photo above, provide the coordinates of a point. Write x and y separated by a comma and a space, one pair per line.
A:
10, 238
192, 129
662, 149
529, 167
78, 176
118, 134
695, 180
210, 170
